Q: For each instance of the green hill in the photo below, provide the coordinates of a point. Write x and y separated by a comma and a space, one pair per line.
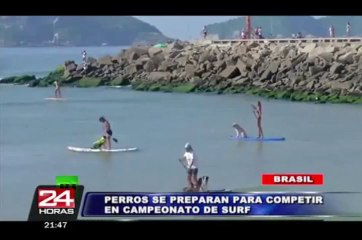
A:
76, 31
285, 26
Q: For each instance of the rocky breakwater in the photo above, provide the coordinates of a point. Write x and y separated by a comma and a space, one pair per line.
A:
323, 72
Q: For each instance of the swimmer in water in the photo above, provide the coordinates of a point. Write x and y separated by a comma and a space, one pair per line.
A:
240, 132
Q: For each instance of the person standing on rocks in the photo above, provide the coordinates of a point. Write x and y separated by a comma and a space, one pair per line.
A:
204, 32
332, 31
258, 115
260, 34
348, 29
84, 56
256, 33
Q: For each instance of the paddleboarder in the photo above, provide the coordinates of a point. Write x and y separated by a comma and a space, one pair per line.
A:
107, 132
58, 94
258, 115
191, 165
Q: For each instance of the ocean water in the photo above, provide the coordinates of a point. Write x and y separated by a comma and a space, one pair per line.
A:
35, 133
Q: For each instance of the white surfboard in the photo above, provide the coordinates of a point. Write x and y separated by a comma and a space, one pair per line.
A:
56, 99
77, 149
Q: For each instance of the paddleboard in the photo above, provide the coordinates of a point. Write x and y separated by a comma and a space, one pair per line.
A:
56, 99
256, 139
185, 189
77, 149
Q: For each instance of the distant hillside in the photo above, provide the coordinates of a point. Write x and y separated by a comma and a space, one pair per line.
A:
285, 26
76, 31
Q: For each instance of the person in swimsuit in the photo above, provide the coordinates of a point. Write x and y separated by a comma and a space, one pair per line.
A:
107, 132
57, 90
191, 164
258, 115
240, 132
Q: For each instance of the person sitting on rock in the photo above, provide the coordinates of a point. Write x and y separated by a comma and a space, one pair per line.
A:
240, 132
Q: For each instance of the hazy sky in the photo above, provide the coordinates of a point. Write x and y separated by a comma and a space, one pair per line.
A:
182, 27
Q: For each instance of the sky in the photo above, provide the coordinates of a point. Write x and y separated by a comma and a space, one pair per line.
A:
184, 28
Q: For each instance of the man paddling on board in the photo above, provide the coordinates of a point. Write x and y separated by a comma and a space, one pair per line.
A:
57, 90
240, 132
191, 166
107, 132
258, 114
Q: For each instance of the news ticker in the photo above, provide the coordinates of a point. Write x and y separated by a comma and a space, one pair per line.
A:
62, 202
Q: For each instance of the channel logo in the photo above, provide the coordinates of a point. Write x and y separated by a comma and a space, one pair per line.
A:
59, 202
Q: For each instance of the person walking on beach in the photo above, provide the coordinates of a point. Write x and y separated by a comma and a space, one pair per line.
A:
190, 162
58, 94
258, 115
107, 131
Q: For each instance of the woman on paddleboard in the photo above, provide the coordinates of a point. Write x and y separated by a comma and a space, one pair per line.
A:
57, 90
258, 114
107, 132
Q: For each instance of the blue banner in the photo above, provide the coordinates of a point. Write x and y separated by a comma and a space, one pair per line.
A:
98, 204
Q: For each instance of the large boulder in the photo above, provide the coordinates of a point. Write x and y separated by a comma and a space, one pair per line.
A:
182, 61
309, 48
149, 66
90, 82
159, 76
230, 72
267, 74
346, 58
167, 66
327, 56
274, 66
207, 56
153, 51
134, 53
120, 81
190, 71
330, 49
142, 60
132, 69
105, 60
336, 68
176, 45
313, 70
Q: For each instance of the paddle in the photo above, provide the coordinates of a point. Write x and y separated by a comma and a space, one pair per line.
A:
181, 161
